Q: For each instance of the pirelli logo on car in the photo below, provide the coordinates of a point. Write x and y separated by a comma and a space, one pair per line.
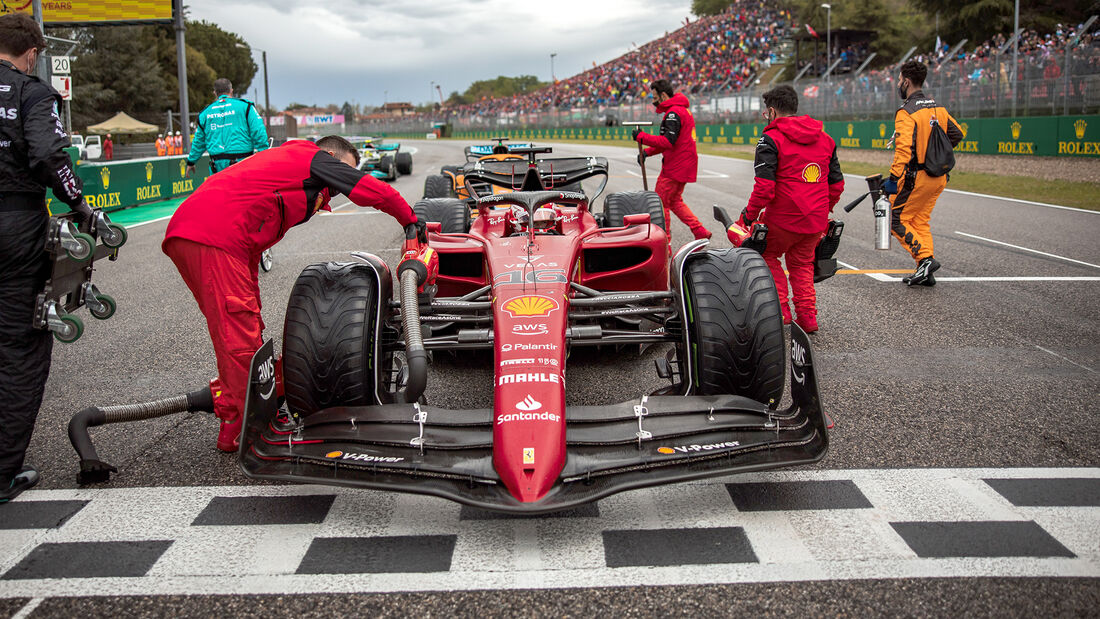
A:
530, 305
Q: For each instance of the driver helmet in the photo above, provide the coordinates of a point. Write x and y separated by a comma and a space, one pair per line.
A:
545, 218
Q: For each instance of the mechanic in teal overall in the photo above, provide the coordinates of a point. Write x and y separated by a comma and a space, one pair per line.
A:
230, 129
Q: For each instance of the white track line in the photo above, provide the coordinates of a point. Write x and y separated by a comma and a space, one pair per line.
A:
28, 609
1034, 251
991, 197
886, 278
145, 223
1063, 358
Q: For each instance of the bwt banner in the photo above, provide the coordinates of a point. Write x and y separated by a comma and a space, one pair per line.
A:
319, 119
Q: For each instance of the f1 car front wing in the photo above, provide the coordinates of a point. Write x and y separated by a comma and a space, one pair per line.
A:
448, 453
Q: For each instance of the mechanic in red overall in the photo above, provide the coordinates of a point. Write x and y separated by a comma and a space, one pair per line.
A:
216, 237
680, 161
798, 182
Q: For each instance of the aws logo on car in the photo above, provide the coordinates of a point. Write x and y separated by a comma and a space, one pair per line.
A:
530, 305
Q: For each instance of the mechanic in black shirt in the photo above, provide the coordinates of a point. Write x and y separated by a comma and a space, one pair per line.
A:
32, 139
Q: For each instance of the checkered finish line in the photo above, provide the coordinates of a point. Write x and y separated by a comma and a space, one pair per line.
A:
766, 527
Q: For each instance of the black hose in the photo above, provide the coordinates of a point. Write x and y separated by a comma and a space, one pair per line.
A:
415, 356
92, 469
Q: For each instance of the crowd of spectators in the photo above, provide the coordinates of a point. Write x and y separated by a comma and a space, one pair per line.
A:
719, 52
722, 53
982, 75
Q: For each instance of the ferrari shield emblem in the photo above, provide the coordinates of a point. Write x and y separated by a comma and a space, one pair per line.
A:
528, 455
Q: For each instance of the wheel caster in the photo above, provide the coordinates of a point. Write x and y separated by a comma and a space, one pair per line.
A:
78, 245
106, 309
71, 329
112, 234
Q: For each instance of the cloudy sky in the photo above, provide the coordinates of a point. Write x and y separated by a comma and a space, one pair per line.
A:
368, 51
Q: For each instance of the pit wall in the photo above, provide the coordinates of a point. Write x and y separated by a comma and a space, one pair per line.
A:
1051, 136
122, 184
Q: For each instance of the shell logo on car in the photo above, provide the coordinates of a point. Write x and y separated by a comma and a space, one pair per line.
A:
811, 173
530, 305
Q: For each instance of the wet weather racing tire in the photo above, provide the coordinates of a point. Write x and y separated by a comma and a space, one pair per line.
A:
737, 327
404, 163
439, 186
452, 213
328, 337
618, 205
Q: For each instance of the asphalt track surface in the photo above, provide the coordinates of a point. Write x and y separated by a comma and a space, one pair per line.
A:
992, 374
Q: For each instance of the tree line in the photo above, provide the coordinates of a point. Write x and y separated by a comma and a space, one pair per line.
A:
132, 69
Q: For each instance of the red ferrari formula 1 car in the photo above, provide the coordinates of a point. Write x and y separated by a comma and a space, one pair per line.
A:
535, 274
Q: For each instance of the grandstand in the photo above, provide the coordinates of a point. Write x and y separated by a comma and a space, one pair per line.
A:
724, 62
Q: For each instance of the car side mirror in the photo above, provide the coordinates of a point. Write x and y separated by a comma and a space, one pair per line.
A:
639, 219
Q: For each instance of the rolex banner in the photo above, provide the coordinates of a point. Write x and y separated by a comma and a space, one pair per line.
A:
113, 186
1046, 136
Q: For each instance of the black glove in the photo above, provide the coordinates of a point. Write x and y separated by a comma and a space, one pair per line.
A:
421, 230
745, 219
641, 159
82, 213
635, 133
890, 187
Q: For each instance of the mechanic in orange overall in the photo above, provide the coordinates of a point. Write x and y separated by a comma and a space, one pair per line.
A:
798, 182
914, 199
162, 146
216, 237
680, 161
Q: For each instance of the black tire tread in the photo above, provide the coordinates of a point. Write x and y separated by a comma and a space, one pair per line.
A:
438, 186
738, 327
451, 212
327, 341
404, 163
616, 206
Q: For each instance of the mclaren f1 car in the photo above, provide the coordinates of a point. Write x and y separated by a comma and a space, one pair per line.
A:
535, 274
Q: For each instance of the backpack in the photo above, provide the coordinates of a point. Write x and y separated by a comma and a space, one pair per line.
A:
939, 159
